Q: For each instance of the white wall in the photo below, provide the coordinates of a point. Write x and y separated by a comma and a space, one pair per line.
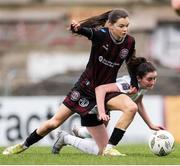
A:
41, 65
165, 45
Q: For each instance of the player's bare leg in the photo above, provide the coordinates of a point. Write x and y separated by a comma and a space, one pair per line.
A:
129, 109
62, 114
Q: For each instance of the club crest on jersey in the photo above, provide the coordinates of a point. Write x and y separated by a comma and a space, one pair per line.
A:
125, 86
83, 102
75, 95
123, 53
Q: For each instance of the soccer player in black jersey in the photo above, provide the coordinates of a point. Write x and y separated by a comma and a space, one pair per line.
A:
146, 75
111, 46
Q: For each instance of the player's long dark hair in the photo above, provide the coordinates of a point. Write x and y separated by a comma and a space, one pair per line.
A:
139, 66
100, 20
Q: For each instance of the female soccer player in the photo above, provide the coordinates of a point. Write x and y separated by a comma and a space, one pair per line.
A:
146, 75
111, 46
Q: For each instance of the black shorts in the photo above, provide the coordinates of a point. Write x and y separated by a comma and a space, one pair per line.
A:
90, 120
81, 103
78, 101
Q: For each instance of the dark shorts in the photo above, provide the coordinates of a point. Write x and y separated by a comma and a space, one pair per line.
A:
78, 101
90, 120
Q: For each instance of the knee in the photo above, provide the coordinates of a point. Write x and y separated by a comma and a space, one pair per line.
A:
132, 108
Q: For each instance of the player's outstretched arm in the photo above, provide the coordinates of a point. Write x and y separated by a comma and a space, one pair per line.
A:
76, 27
142, 112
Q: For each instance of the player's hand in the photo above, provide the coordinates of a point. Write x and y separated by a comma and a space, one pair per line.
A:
75, 26
154, 127
161, 128
132, 90
104, 117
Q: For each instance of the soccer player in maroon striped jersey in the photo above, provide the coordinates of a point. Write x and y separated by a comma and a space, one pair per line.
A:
111, 46
146, 75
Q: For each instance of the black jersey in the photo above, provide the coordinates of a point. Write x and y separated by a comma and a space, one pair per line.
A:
107, 56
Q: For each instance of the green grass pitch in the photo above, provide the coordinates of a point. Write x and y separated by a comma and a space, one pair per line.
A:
136, 154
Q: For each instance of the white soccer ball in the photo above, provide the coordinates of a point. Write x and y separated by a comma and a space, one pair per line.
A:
161, 142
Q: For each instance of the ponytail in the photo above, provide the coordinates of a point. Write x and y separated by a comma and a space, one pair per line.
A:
100, 20
134, 63
132, 66
139, 66
96, 21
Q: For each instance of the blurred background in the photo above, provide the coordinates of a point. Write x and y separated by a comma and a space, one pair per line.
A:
40, 57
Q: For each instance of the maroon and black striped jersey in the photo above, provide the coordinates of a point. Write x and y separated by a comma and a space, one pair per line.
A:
107, 56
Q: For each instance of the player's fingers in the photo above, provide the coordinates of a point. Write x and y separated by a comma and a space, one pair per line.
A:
104, 118
73, 22
107, 118
77, 26
133, 90
161, 128
99, 117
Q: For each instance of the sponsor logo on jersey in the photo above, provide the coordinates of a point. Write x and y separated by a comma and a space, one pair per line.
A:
125, 86
123, 53
83, 102
107, 62
75, 95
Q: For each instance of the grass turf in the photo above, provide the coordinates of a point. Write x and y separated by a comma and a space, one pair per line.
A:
136, 154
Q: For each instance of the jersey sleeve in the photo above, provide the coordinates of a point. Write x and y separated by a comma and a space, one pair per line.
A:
87, 32
94, 34
99, 34
123, 85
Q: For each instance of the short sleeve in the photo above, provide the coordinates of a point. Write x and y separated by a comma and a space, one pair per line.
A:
123, 84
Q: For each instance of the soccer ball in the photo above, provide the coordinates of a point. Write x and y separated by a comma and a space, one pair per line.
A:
161, 142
